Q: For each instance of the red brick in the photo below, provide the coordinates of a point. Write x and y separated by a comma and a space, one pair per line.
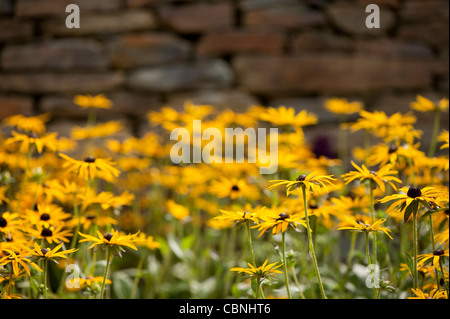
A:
239, 41
198, 17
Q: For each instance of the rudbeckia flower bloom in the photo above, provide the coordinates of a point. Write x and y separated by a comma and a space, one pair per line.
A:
52, 233
312, 182
343, 106
408, 200
98, 131
279, 222
239, 217
17, 259
113, 239
383, 175
435, 257
91, 167
88, 101
50, 254
286, 116
263, 271
434, 294
34, 124
422, 104
26, 141
233, 188
444, 137
364, 226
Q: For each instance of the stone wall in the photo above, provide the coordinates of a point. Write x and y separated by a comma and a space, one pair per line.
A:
231, 53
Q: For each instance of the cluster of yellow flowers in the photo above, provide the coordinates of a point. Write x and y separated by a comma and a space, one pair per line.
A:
61, 198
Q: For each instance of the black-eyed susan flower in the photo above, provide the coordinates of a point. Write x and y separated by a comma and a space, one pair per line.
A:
435, 257
51, 234
234, 188
91, 167
384, 175
48, 141
97, 131
312, 183
409, 200
17, 259
34, 124
433, 294
262, 272
278, 221
422, 104
444, 137
89, 101
49, 253
114, 240
240, 216
286, 116
178, 211
343, 106
365, 227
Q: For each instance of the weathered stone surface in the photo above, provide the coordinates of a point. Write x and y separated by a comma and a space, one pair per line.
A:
394, 49
104, 23
182, 76
235, 100
42, 8
197, 17
417, 11
143, 3
6, 7
434, 33
351, 19
328, 73
148, 49
10, 105
264, 4
291, 17
388, 3
42, 83
241, 40
321, 41
54, 55
15, 30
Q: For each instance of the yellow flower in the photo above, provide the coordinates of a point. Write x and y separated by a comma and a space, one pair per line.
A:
312, 182
176, 210
434, 294
34, 124
423, 104
393, 153
278, 221
383, 175
106, 199
113, 239
91, 167
343, 106
26, 141
147, 241
435, 256
90, 218
49, 253
52, 233
97, 131
89, 101
364, 226
286, 116
239, 216
16, 259
408, 200
444, 137
233, 188
263, 271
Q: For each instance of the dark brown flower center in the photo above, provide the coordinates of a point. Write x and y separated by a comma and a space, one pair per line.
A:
414, 192
283, 216
235, 188
46, 232
8, 238
301, 178
3, 222
313, 206
90, 217
108, 236
45, 217
392, 149
44, 251
90, 159
438, 252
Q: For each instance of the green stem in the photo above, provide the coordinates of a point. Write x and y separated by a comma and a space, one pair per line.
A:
250, 243
415, 249
105, 274
374, 234
437, 118
45, 277
286, 280
138, 274
434, 248
311, 245
367, 248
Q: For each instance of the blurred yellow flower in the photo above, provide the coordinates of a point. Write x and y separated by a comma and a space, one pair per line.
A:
88, 101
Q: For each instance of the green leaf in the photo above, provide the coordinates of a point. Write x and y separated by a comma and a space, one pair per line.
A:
187, 242
409, 262
255, 287
122, 284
